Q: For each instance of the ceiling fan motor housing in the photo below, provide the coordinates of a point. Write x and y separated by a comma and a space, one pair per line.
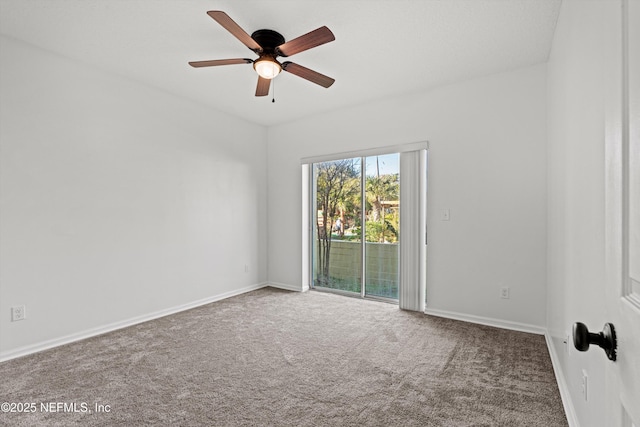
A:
268, 39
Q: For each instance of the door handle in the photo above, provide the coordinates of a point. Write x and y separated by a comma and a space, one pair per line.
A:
606, 339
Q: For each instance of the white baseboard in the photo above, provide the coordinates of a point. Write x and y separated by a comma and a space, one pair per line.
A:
295, 288
569, 410
488, 321
45, 345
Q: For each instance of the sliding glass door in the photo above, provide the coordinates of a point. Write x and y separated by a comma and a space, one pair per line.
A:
382, 225
337, 252
356, 225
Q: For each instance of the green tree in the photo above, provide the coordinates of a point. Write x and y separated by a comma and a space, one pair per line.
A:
337, 184
382, 226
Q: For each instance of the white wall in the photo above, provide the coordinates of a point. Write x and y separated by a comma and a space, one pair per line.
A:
576, 271
117, 200
487, 163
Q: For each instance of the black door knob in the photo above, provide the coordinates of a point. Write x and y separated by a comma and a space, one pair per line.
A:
606, 339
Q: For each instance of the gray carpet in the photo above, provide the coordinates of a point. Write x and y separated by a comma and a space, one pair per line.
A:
271, 357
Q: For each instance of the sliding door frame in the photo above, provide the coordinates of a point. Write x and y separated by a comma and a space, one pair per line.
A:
363, 227
309, 217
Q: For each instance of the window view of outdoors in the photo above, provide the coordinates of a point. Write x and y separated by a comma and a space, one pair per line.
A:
338, 242
382, 225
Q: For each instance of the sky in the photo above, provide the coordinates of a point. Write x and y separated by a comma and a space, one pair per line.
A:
388, 164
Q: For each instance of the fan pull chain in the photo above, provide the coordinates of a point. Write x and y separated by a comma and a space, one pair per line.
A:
273, 91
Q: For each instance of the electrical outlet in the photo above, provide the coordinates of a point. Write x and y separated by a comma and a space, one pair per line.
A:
18, 313
585, 386
504, 292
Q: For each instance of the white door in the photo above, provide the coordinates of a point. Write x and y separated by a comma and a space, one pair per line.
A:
622, 142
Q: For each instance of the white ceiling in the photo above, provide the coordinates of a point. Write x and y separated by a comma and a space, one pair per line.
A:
383, 48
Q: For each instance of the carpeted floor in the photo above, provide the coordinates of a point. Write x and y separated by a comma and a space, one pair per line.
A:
275, 358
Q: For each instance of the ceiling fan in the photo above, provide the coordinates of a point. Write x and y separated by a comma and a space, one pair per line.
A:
268, 45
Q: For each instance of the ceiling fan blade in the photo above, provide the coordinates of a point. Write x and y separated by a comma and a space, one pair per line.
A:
315, 38
230, 25
215, 62
263, 86
306, 73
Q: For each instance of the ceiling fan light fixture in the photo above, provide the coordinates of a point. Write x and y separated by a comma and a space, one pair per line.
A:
267, 67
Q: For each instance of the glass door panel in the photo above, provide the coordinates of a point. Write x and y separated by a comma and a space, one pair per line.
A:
348, 204
337, 248
382, 225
